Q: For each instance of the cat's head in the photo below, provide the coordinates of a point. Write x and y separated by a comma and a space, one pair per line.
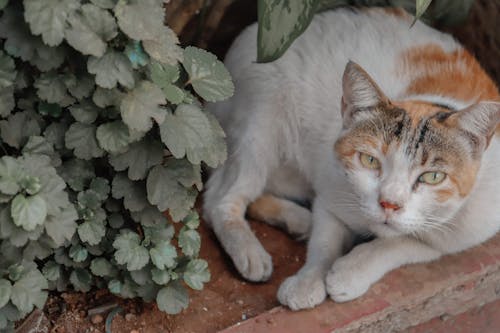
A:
411, 164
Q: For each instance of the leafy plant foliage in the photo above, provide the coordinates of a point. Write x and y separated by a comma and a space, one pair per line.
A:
282, 21
101, 131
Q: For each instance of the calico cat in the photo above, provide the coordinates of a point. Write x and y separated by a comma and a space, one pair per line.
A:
388, 130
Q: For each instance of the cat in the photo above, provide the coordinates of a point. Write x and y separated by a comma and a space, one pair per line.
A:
387, 130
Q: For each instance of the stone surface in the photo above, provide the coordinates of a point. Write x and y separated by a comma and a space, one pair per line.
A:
403, 298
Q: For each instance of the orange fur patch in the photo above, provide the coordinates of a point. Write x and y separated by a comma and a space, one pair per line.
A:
464, 178
456, 74
418, 109
267, 207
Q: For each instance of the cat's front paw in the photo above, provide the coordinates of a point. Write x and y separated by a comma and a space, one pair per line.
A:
302, 291
253, 262
346, 281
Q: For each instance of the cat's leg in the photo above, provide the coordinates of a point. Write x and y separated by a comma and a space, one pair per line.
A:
352, 275
282, 213
329, 237
229, 190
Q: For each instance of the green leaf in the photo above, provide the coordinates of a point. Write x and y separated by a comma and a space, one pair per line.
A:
7, 102
82, 138
39, 145
163, 255
16, 130
166, 192
7, 70
106, 4
78, 253
81, 87
84, 112
192, 221
208, 76
102, 267
10, 174
28, 292
54, 133
421, 7
92, 231
48, 18
100, 186
186, 173
81, 280
133, 193
3, 3
28, 212
129, 251
89, 29
141, 276
280, 23
158, 233
110, 69
113, 137
196, 274
107, 97
5, 291
142, 104
160, 277
173, 298
148, 12
51, 88
139, 158
62, 227
164, 47
193, 133
47, 58
163, 76
149, 216
51, 270
135, 53
115, 286
189, 241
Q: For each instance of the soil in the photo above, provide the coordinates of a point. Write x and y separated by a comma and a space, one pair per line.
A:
227, 299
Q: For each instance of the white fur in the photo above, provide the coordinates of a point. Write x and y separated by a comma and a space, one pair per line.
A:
282, 124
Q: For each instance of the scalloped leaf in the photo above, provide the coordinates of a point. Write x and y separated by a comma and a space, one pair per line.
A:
173, 298
193, 133
82, 139
110, 69
28, 212
48, 18
208, 76
139, 158
140, 19
89, 29
196, 274
129, 251
141, 105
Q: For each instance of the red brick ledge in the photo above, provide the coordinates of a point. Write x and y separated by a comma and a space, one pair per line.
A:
403, 298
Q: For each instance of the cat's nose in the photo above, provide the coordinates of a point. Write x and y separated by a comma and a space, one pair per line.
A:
389, 205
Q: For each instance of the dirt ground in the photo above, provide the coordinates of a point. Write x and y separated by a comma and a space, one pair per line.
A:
227, 299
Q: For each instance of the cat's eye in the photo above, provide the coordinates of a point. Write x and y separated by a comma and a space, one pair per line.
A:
369, 161
432, 177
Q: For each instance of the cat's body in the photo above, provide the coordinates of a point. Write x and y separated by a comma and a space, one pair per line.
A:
283, 127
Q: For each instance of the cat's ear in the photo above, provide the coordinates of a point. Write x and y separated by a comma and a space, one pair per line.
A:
480, 120
360, 92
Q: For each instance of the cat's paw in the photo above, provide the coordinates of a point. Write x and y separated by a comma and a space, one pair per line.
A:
253, 261
302, 291
248, 255
345, 281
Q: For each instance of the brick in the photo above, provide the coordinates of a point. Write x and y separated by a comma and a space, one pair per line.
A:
404, 298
